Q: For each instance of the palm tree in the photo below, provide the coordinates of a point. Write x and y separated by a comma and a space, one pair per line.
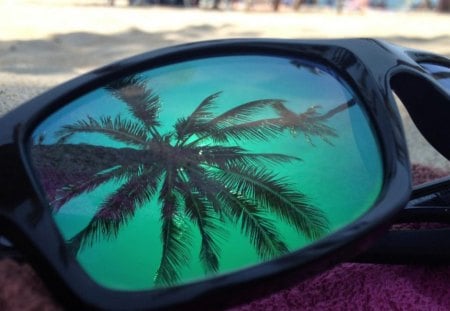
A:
310, 123
196, 172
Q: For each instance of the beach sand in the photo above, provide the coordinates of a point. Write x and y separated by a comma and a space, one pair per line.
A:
44, 43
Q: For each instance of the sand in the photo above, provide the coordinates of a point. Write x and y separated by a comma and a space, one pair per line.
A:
44, 43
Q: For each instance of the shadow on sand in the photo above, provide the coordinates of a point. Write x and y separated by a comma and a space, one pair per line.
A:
78, 52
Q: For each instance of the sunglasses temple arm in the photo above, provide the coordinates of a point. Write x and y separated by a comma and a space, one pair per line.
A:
424, 246
429, 243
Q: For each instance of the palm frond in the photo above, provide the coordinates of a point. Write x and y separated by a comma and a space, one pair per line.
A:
238, 124
185, 127
339, 108
176, 241
276, 195
125, 131
199, 209
81, 187
310, 123
117, 210
283, 112
258, 228
198, 179
222, 156
141, 101
175, 254
262, 130
167, 196
243, 113
68, 170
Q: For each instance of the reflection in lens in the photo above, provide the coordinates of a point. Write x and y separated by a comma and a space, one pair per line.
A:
439, 72
205, 167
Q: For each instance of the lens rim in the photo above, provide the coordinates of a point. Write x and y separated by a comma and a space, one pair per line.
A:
348, 58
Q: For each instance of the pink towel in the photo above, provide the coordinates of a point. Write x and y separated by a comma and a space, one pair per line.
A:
365, 287
345, 287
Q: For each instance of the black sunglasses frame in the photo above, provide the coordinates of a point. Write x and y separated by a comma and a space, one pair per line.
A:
368, 66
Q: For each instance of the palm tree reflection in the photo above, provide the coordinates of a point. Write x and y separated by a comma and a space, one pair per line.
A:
199, 172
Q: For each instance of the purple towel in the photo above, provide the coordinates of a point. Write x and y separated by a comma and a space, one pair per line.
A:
345, 287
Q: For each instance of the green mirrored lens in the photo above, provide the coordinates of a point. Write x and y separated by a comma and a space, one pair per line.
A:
206, 167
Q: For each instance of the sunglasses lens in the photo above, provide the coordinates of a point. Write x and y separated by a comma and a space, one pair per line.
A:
439, 72
205, 167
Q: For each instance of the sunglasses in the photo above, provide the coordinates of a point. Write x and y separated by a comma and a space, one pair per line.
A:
187, 176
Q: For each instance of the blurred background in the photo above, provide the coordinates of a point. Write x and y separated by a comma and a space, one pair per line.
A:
46, 42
